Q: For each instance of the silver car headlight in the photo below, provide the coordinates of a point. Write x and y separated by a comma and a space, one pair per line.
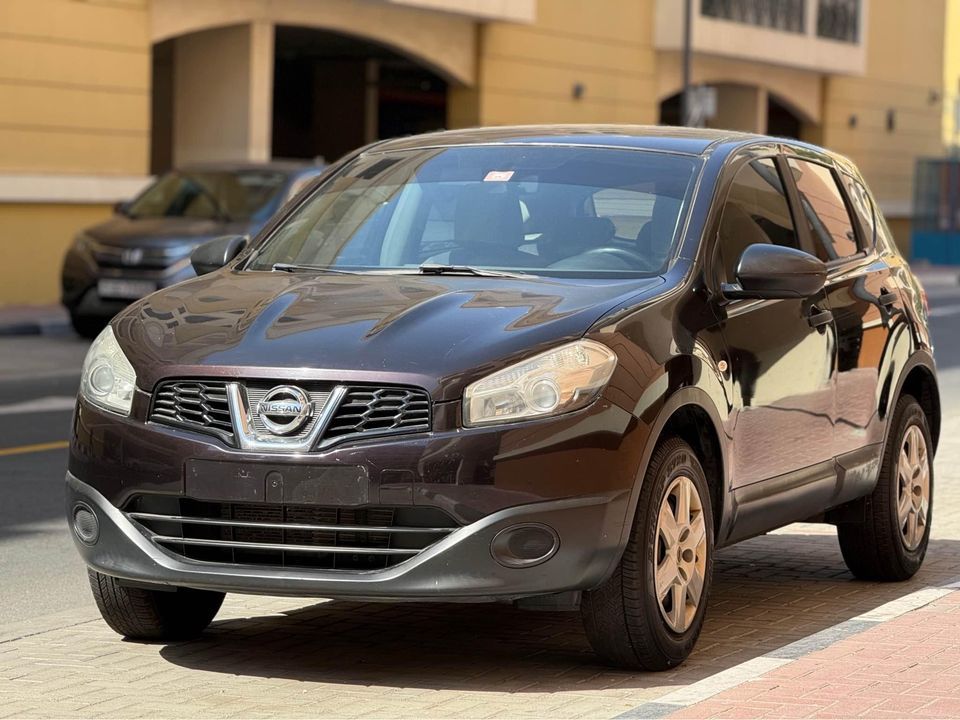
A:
83, 242
564, 379
107, 379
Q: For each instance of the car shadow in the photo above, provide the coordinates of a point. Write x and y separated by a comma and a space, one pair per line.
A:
768, 592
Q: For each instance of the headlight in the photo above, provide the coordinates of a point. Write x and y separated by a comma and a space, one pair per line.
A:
83, 242
554, 382
107, 378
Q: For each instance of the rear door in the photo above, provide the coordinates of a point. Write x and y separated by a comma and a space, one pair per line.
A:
838, 220
781, 356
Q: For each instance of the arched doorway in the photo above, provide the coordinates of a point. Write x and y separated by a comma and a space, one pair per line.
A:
782, 121
747, 108
255, 91
333, 92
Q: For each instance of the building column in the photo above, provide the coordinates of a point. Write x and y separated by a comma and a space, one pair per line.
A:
740, 107
260, 104
223, 94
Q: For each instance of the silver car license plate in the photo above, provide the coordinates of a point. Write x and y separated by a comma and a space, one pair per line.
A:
125, 289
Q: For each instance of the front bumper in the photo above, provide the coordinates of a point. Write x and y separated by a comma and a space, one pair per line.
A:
460, 567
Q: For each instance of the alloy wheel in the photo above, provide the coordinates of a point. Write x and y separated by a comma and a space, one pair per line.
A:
681, 554
913, 491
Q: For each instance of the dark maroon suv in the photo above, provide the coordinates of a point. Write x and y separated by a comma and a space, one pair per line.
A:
557, 366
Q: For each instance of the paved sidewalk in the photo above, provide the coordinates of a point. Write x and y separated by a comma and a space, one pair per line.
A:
33, 320
907, 667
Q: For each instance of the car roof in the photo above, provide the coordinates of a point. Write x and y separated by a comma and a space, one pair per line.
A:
691, 141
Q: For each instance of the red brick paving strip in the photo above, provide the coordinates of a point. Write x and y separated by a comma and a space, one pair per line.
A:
905, 668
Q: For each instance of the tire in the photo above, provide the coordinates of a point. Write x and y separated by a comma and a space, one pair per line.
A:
878, 547
87, 326
140, 614
623, 618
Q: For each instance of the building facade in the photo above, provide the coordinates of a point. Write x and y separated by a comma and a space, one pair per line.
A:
98, 95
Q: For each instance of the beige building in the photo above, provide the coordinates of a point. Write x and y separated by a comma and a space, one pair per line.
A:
98, 95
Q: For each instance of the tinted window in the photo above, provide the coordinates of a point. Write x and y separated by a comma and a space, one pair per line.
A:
219, 195
756, 211
536, 209
862, 207
825, 212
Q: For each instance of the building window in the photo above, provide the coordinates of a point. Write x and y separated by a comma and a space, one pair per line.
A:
787, 15
839, 20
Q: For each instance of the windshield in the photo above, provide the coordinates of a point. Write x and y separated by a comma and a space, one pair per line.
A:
534, 209
215, 195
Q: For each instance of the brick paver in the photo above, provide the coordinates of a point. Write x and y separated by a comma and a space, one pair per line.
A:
907, 667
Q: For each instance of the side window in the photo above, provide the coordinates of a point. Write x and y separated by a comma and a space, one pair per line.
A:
862, 207
756, 211
825, 212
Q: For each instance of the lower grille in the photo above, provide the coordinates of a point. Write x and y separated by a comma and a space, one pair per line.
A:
329, 538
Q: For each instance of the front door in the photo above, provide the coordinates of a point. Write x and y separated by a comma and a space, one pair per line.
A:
781, 353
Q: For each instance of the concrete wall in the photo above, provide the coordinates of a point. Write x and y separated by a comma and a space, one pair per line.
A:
74, 86
527, 72
951, 74
74, 126
903, 73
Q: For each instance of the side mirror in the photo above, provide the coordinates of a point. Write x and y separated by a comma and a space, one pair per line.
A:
122, 207
216, 253
773, 271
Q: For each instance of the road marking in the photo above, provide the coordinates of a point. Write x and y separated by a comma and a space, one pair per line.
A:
755, 667
945, 310
38, 447
51, 403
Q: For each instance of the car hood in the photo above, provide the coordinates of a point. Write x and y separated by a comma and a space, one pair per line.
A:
161, 232
436, 332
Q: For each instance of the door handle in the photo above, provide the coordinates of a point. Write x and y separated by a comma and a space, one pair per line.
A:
818, 318
886, 299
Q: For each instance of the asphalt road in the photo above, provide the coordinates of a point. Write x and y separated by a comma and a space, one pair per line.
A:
40, 571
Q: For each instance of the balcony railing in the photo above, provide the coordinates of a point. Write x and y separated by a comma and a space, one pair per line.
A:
786, 15
839, 20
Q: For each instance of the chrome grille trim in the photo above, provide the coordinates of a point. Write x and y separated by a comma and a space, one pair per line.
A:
285, 526
283, 547
351, 538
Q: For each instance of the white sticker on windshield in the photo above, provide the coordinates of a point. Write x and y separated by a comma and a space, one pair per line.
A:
498, 176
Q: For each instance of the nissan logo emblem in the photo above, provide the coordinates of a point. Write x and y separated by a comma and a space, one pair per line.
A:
285, 409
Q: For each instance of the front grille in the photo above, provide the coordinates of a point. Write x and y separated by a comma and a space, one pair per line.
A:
144, 258
194, 405
329, 538
380, 410
201, 406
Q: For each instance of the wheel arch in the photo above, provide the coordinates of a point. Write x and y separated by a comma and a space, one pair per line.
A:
919, 380
690, 414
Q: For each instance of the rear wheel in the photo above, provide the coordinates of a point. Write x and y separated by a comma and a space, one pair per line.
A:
141, 614
890, 542
649, 613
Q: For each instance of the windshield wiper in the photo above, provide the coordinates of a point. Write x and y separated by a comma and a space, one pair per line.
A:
439, 269
293, 267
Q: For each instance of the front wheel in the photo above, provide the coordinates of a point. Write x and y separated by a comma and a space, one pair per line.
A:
141, 614
649, 613
890, 541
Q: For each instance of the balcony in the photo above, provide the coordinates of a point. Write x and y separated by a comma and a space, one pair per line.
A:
820, 35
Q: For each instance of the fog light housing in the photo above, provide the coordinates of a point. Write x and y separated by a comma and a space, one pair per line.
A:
526, 545
85, 524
